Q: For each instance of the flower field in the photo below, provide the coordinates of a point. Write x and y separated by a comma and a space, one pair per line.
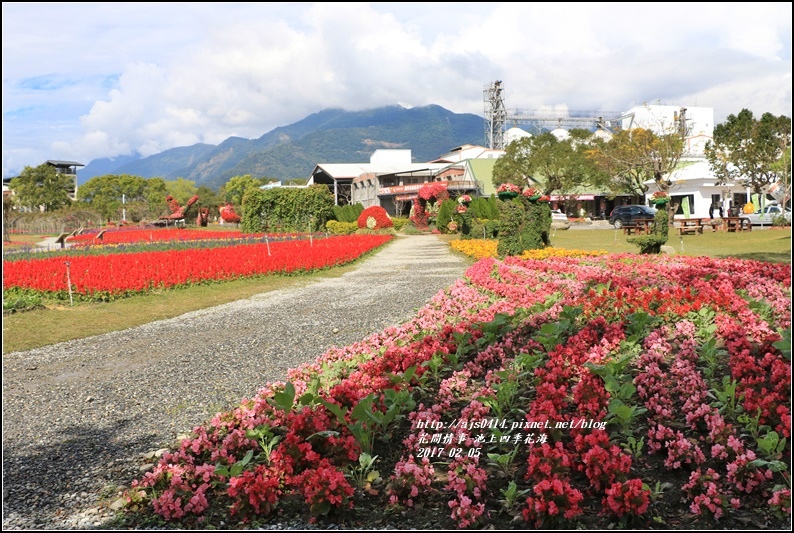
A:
113, 275
592, 392
480, 248
134, 235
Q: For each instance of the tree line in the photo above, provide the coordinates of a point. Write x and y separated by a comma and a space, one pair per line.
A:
115, 195
753, 153
745, 150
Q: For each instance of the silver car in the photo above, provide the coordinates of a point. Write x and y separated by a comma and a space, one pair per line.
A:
768, 214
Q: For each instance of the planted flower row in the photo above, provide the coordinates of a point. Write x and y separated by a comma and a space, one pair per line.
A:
561, 391
480, 248
114, 275
151, 235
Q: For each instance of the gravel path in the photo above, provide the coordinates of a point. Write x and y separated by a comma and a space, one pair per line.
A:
78, 417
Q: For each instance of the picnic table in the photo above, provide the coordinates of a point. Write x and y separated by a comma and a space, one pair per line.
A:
736, 224
690, 225
638, 226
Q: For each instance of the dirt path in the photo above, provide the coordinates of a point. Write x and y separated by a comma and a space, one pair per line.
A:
78, 416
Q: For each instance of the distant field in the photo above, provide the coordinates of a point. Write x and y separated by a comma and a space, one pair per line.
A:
762, 245
62, 323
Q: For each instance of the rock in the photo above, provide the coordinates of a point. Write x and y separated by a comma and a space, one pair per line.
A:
118, 505
669, 250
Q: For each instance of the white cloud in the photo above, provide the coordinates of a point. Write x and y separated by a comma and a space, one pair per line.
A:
146, 77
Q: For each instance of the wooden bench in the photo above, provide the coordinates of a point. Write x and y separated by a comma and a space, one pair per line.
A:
736, 224
686, 230
640, 228
628, 230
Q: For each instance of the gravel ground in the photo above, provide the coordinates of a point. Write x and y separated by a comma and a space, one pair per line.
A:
81, 417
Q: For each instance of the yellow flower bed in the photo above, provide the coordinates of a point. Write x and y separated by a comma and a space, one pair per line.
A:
547, 253
479, 248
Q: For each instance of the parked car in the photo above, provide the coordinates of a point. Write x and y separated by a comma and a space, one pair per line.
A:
558, 216
768, 214
627, 215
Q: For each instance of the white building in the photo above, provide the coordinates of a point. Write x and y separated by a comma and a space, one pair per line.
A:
693, 179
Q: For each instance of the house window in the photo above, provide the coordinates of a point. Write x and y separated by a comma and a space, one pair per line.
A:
679, 199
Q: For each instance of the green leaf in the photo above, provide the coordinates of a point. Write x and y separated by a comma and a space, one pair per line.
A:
363, 409
320, 508
284, 400
247, 458
784, 344
335, 409
307, 399
324, 434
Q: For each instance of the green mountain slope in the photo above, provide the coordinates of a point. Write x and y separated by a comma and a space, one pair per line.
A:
330, 136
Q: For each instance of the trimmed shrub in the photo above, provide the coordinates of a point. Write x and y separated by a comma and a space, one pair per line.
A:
445, 215
335, 227
348, 213
374, 217
282, 210
400, 222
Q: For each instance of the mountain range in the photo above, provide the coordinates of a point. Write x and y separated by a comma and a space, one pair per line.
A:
289, 152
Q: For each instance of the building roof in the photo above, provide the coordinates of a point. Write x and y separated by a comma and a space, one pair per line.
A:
58, 163
482, 171
688, 171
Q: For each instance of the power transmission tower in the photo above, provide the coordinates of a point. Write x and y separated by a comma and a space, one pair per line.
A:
495, 116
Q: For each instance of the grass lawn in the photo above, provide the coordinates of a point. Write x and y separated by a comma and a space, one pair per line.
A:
19, 242
761, 245
58, 323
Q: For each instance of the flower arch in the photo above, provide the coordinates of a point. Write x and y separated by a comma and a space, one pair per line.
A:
427, 202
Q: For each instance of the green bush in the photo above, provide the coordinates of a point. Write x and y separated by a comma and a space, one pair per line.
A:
523, 225
780, 220
481, 207
348, 213
446, 212
400, 222
648, 244
378, 231
652, 244
335, 227
510, 223
15, 300
282, 210
483, 228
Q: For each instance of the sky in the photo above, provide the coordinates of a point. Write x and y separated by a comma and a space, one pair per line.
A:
83, 81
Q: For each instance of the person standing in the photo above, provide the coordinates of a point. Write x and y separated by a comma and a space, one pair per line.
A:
711, 211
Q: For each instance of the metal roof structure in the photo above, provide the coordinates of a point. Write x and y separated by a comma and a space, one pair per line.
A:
58, 163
